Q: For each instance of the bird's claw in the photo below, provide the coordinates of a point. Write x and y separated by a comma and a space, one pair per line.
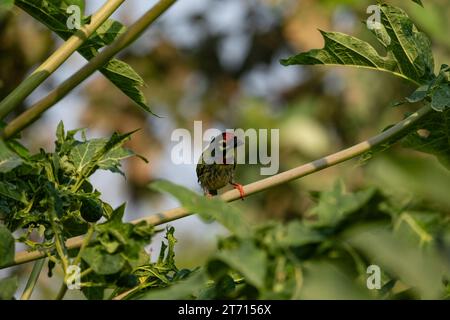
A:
240, 188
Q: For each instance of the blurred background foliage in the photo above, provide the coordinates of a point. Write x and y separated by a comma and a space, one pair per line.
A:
218, 61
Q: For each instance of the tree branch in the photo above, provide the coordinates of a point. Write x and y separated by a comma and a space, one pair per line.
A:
129, 36
57, 58
264, 184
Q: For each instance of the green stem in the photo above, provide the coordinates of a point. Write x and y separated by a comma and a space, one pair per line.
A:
62, 291
86, 272
85, 243
57, 58
59, 245
132, 33
32, 280
125, 294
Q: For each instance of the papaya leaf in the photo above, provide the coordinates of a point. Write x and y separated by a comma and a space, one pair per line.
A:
395, 254
337, 205
102, 262
437, 91
297, 234
116, 237
440, 98
79, 3
169, 260
11, 191
100, 153
7, 245
221, 211
432, 135
248, 260
8, 287
6, 5
8, 159
408, 50
183, 289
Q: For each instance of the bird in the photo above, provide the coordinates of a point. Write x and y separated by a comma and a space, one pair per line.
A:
215, 172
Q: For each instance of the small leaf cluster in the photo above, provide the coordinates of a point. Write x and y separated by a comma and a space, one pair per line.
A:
117, 251
161, 273
39, 189
47, 197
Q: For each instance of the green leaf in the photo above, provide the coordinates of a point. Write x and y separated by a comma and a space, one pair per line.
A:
127, 239
100, 153
78, 3
8, 287
93, 293
437, 91
432, 135
419, 94
60, 133
408, 50
421, 269
7, 247
117, 214
248, 260
440, 98
8, 159
221, 211
326, 281
127, 80
184, 289
83, 154
419, 2
17, 148
118, 72
106, 33
11, 191
169, 260
297, 234
6, 5
102, 262
336, 205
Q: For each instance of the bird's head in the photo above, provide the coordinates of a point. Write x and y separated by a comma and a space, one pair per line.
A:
230, 140
225, 143
226, 140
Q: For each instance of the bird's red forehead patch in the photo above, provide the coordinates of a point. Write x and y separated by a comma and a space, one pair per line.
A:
227, 136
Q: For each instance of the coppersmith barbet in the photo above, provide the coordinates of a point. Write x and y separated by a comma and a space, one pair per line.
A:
215, 172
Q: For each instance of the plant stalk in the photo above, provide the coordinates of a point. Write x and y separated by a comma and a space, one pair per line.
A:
62, 291
52, 63
124, 40
32, 280
87, 238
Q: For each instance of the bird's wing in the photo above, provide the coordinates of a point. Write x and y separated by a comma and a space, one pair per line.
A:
200, 170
